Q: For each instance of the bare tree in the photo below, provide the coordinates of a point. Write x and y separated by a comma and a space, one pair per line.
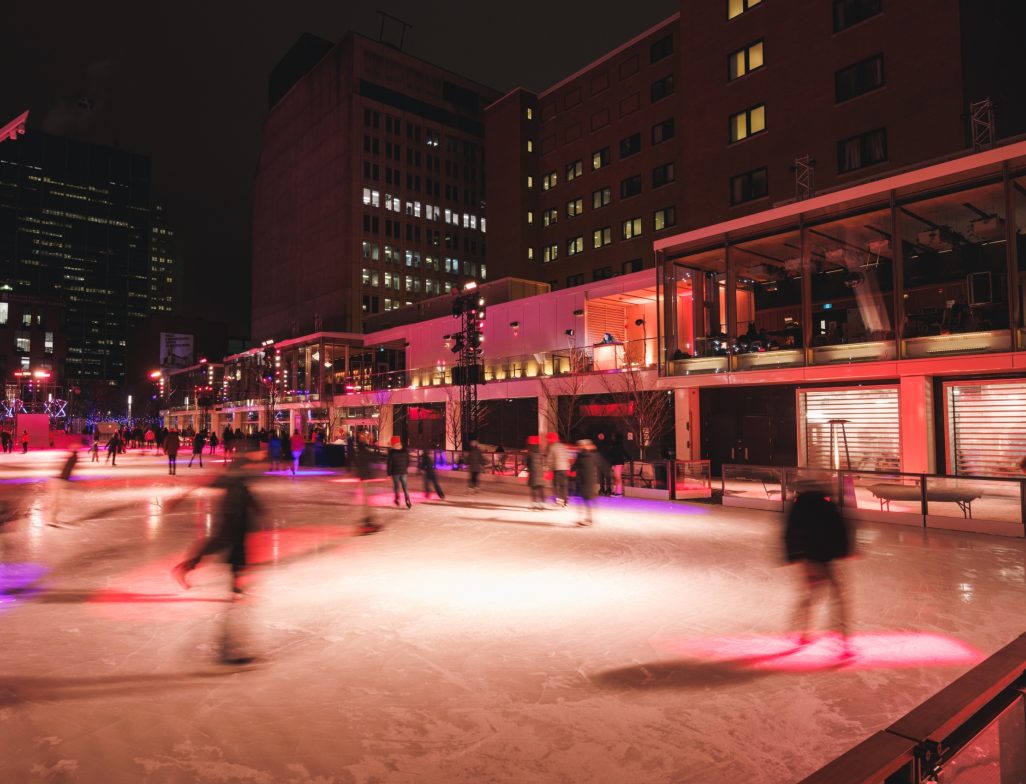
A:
562, 392
382, 399
647, 414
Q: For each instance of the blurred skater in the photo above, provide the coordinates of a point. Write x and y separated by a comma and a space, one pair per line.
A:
363, 463
536, 472
815, 536
586, 470
398, 465
236, 519
172, 443
273, 449
475, 464
298, 444
427, 469
558, 459
24, 442
113, 446
198, 442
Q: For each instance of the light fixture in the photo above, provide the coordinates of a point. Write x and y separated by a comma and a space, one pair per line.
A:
569, 333
639, 322
514, 324
579, 312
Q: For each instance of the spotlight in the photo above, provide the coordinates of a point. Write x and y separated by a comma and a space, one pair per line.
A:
639, 322
569, 333
578, 312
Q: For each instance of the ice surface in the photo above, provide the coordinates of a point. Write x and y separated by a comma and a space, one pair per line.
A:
470, 641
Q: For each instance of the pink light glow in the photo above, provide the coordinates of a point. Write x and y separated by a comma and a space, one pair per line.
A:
872, 650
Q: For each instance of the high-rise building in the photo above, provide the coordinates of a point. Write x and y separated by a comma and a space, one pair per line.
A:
75, 225
730, 107
165, 264
370, 188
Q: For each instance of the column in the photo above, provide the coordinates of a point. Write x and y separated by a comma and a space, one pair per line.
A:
687, 441
915, 405
386, 416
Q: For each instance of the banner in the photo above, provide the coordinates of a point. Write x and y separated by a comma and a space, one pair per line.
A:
175, 350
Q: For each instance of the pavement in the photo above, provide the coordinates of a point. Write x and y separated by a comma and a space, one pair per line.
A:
471, 640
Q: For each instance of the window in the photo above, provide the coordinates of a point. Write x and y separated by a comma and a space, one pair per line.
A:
371, 198
661, 88
631, 228
549, 216
530, 253
664, 218
549, 181
391, 281
4, 311
660, 49
530, 146
26, 319
574, 245
748, 123
369, 277
851, 12
744, 61
530, 217
574, 207
574, 170
602, 273
530, 113
738, 7
530, 182
550, 253
662, 175
22, 342
602, 237
663, 131
863, 150
634, 265
370, 304
369, 250
574, 280
748, 186
630, 145
599, 158
600, 198
858, 79
48, 343
631, 186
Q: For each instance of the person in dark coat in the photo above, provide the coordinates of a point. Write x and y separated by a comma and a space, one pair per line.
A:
213, 443
475, 465
427, 470
586, 469
172, 443
274, 449
398, 466
536, 472
113, 446
198, 441
363, 465
5, 441
237, 519
816, 535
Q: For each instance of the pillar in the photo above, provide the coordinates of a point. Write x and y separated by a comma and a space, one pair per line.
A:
687, 441
386, 417
915, 405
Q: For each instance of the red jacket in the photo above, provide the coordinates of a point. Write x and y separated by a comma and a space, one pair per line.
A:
298, 442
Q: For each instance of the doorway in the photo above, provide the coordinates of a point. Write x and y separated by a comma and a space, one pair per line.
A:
749, 426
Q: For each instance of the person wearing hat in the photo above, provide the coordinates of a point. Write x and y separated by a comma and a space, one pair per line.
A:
536, 472
586, 469
398, 466
558, 459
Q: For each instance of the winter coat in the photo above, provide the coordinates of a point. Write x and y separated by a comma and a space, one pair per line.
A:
559, 456
398, 461
364, 462
535, 467
475, 459
816, 530
427, 462
586, 470
172, 443
297, 443
197, 443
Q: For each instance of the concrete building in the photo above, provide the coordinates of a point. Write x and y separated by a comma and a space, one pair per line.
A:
729, 107
370, 188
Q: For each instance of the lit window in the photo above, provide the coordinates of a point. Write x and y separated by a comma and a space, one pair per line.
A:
530, 253
48, 343
574, 245
744, 61
631, 228
738, 7
530, 217
748, 123
664, 218
574, 170
530, 113
549, 216
371, 198
601, 237
549, 181
574, 207
22, 342
26, 319
600, 198
550, 253
530, 181
599, 158
484, 272
530, 146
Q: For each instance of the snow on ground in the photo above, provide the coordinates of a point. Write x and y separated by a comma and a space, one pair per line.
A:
472, 640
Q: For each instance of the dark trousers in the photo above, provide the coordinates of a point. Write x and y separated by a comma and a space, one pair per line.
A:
397, 481
559, 485
195, 455
172, 463
538, 494
24, 447
431, 480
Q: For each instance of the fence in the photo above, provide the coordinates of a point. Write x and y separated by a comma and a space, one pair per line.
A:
981, 504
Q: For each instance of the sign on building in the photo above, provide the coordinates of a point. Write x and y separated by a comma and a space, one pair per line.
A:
176, 350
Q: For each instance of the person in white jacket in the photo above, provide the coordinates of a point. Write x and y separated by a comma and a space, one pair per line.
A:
558, 459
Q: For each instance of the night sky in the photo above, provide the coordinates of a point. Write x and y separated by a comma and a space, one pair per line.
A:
186, 83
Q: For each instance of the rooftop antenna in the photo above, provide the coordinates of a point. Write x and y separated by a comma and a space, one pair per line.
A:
404, 25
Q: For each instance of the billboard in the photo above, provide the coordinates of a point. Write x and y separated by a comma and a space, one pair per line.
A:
175, 350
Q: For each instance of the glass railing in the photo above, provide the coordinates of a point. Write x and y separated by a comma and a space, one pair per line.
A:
647, 475
875, 350
957, 343
754, 486
763, 360
692, 479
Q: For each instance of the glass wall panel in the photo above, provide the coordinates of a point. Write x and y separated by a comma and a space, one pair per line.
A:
956, 298
769, 302
699, 314
852, 282
1018, 196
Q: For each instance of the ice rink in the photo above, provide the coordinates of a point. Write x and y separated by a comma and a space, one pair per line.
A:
474, 640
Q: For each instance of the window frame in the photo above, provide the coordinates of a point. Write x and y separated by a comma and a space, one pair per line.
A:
862, 139
605, 158
748, 123
574, 169
749, 174
668, 211
746, 50
632, 228
862, 15
855, 67
669, 121
607, 192
601, 237
746, 6
669, 167
656, 50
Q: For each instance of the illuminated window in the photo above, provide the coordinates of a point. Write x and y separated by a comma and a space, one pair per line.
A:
369, 250
748, 123
530, 181
530, 113
530, 253
574, 245
530, 146
22, 342
549, 216
574, 207
530, 217
664, 218
369, 277
631, 228
738, 7
48, 343
600, 198
744, 61
574, 170
602, 237
26, 319
550, 253
599, 158
549, 181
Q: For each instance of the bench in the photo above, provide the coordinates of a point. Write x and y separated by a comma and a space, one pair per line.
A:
886, 492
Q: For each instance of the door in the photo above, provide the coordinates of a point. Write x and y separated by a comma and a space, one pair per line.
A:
749, 425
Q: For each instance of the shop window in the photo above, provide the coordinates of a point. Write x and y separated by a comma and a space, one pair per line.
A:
867, 149
858, 79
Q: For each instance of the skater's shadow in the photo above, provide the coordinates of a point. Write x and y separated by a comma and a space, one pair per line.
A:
19, 690
533, 523
492, 507
687, 673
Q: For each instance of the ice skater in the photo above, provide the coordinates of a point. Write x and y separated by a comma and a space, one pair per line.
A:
237, 519
172, 443
816, 535
298, 444
398, 465
198, 442
475, 464
363, 463
587, 472
113, 446
430, 474
558, 460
